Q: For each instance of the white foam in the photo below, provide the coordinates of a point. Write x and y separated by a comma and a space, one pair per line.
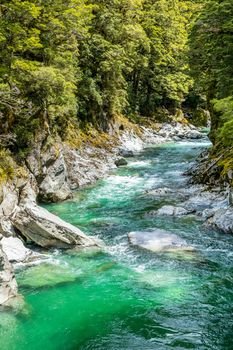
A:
139, 164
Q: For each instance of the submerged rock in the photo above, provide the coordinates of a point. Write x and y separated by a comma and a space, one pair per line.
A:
8, 285
46, 275
158, 240
38, 225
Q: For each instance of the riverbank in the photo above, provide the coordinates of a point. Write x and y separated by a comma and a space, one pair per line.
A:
54, 172
51, 173
126, 294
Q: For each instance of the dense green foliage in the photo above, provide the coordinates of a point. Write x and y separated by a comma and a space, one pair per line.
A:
72, 61
68, 63
38, 64
211, 60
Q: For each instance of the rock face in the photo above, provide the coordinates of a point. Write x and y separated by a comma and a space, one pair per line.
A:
222, 220
8, 285
194, 134
47, 230
158, 241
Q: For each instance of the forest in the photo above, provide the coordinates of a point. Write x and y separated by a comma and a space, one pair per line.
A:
79, 62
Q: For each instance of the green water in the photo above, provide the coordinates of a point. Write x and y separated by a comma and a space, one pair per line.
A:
124, 297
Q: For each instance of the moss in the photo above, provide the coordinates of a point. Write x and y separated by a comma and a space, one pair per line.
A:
124, 124
21, 172
222, 157
73, 136
7, 166
227, 164
77, 138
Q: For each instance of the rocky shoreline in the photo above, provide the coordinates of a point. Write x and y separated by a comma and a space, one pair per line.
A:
53, 173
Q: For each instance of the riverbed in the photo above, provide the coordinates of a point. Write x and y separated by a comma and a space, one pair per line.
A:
124, 297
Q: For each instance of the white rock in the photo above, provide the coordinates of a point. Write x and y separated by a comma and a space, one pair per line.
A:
15, 250
222, 220
8, 285
47, 230
170, 210
158, 240
166, 210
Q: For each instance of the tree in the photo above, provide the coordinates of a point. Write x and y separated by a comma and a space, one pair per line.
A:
211, 43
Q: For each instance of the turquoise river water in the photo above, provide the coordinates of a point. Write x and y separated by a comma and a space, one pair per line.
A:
125, 297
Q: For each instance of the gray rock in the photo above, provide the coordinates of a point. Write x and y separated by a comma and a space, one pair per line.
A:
170, 210
222, 220
205, 200
195, 135
38, 225
15, 250
54, 186
230, 198
121, 162
207, 213
6, 227
158, 240
9, 201
8, 285
86, 166
126, 153
168, 192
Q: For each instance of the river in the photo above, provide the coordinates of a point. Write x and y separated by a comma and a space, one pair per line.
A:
126, 297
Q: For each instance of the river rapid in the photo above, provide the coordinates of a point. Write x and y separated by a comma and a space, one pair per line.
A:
125, 297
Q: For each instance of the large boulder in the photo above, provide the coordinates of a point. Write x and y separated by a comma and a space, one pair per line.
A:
15, 250
8, 285
158, 241
38, 225
222, 220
